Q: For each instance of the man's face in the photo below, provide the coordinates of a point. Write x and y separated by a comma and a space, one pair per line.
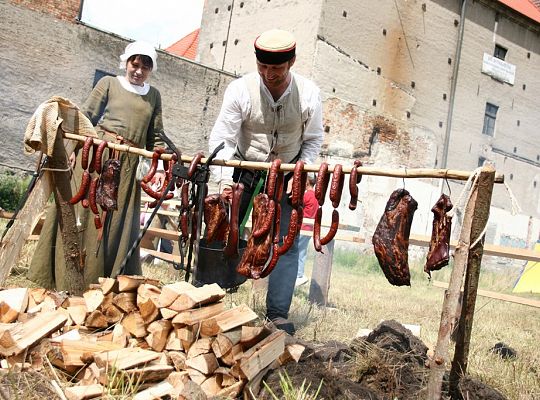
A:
274, 75
137, 72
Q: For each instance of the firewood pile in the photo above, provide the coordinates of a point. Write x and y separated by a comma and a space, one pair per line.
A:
177, 340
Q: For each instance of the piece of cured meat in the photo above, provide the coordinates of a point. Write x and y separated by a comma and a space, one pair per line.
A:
107, 189
439, 247
391, 238
215, 218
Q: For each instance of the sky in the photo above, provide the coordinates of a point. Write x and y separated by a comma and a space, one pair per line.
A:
160, 22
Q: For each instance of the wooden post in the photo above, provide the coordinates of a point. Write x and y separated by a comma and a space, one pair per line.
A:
451, 300
320, 277
480, 220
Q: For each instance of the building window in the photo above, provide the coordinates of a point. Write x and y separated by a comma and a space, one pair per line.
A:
500, 52
481, 161
489, 119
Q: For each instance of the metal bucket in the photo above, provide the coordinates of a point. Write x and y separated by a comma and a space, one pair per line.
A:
213, 267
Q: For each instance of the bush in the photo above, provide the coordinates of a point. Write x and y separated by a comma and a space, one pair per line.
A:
12, 188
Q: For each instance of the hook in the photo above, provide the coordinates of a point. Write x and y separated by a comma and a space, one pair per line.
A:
403, 178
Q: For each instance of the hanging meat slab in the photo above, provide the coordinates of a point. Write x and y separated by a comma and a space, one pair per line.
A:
439, 248
215, 218
107, 189
391, 238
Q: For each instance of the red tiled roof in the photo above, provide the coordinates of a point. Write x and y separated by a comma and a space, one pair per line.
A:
187, 46
525, 7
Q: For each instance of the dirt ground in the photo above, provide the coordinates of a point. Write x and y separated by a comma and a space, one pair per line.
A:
390, 364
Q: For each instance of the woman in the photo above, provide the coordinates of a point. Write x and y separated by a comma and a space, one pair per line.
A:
124, 109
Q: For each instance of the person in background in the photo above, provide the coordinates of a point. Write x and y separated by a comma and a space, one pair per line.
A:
310, 209
124, 109
270, 114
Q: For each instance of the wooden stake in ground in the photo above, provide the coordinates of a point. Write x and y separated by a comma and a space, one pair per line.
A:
479, 222
451, 300
320, 277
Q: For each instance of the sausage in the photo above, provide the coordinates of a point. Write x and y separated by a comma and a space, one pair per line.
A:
333, 228
297, 195
93, 161
149, 191
99, 154
317, 231
153, 167
277, 223
279, 185
193, 166
273, 262
272, 178
170, 166
267, 220
185, 195
354, 180
300, 210
231, 249
184, 224
92, 196
86, 152
336, 187
97, 222
322, 183
85, 182
288, 241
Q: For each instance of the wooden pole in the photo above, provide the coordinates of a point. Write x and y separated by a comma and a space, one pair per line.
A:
479, 223
255, 165
320, 277
450, 305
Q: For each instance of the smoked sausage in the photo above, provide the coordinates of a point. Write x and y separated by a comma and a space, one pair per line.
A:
336, 187
86, 152
85, 183
322, 183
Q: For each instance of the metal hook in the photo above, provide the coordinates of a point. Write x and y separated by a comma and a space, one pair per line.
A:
448, 185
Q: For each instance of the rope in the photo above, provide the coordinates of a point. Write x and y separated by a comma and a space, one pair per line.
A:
516, 209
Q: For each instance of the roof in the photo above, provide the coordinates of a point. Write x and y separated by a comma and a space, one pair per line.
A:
528, 8
187, 46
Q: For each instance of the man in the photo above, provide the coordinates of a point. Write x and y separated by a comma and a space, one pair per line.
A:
273, 113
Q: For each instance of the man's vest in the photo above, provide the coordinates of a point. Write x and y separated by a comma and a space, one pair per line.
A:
271, 131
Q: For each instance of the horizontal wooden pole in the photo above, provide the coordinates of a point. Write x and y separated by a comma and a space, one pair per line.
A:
498, 296
255, 165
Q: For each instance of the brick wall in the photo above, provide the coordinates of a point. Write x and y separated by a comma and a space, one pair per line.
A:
66, 10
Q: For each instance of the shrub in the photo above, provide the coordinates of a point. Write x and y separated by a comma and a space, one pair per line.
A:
12, 188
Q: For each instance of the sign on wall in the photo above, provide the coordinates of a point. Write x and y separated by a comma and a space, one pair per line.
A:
499, 69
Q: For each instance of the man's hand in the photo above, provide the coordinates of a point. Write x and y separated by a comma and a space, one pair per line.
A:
289, 188
226, 193
158, 180
72, 160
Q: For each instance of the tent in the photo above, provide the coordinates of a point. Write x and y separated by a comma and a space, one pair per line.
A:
529, 280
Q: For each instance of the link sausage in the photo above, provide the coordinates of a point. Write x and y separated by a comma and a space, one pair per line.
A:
231, 249
333, 228
194, 162
85, 183
354, 180
336, 187
297, 195
99, 154
322, 183
272, 178
92, 196
153, 167
86, 152
288, 241
317, 231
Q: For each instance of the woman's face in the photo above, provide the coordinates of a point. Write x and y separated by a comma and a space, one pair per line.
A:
136, 72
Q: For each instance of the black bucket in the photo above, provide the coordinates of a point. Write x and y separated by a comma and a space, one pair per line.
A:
213, 267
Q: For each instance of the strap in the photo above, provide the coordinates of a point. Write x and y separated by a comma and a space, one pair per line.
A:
250, 205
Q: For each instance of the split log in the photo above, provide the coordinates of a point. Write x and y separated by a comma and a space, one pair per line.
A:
212, 385
84, 392
228, 320
173, 342
97, 320
198, 297
148, 310
225, 341
126, 301
155, 392
130, 283
252, 335
196, 315
158, 334
134, 324
201, 346
108, 285
263, 354
178, 360
93, 299
12, 303
73, 351
148, 373
125, 358
77, 314
170, 293
205, 363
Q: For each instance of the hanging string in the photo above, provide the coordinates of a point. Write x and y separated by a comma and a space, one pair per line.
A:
516, 209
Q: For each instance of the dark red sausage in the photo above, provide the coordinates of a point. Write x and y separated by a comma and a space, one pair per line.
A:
333, 228
152, 193
273, 262
279, 185
99, 154
297, 195
185, 195
153, 167
272, 178
85, 183
194, 162
85, 203
288, 241
300, 210
184, 222
86, 152
231, 249
93, 161
92, 196
267, 220
336, 187
317, 231
322, 183
354, 179
170, 166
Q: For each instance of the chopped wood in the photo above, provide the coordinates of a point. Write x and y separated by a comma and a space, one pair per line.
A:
254, 384
167, 313
173, 342
90, 375
147, 291
233, 355
196, 315
192, 391
148, 373
134, 324
125, 358
178, 360
155, 392
228, 320
196, 376
262, 354
108, 285
201, 346
36, 296
178, 379
73, 350
225, 341
231, 391
77, 313
212, 385
252, 335
16, 338
159, 333
93, 299
130, 283
149, 311
112, 314
12, 303
120, 335
96, 319
205, 363
197, 297
226, 378
127, 301
74, 301
84, 392
169, 293
292, 352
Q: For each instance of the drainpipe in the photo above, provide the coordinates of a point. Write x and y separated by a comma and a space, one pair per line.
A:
227, 38
79, 15
453, 85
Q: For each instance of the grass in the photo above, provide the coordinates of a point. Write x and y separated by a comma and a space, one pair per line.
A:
361, 298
